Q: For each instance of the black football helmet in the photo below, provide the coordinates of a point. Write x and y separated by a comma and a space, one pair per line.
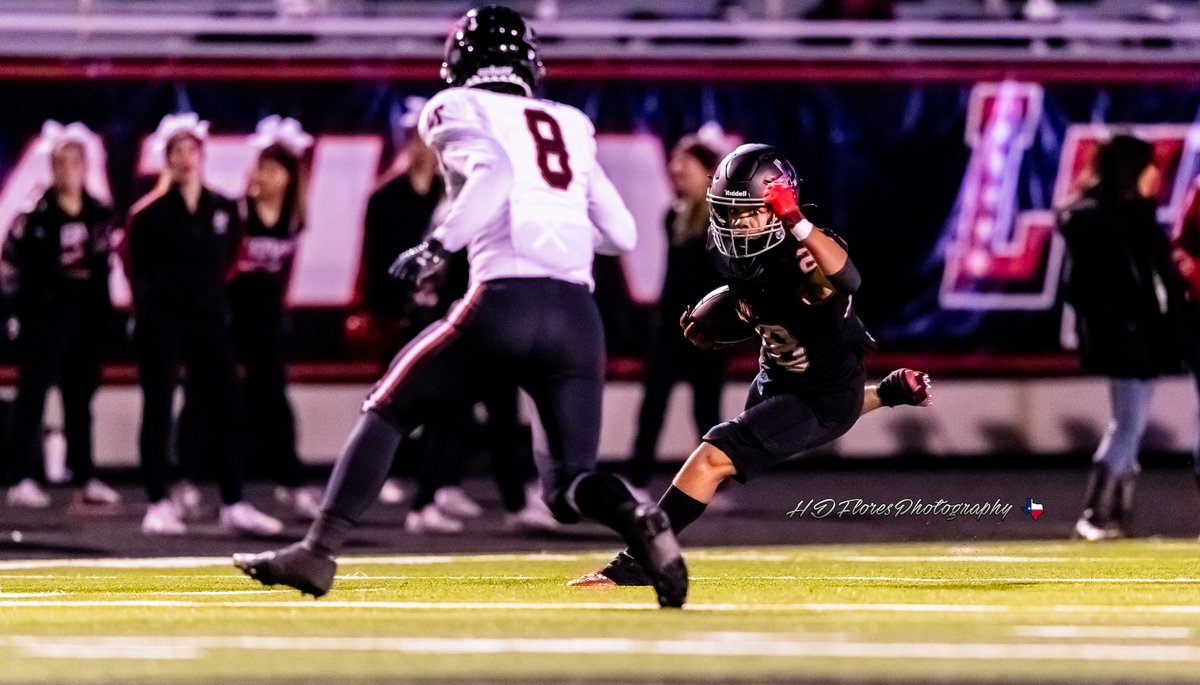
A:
493, 44
741, 226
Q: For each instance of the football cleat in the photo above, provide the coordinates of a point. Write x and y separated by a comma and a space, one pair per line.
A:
593, 579
906, 387
622, 571
653, 546
295, 566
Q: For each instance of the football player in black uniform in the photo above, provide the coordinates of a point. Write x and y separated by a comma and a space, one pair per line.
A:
795, 286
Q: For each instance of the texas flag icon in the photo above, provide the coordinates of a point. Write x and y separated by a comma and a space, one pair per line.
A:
1033, 508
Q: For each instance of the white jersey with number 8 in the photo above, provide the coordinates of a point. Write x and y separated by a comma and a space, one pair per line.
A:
528, 196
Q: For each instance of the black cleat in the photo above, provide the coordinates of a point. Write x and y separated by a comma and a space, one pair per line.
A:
622, 571
653, 546
295, 565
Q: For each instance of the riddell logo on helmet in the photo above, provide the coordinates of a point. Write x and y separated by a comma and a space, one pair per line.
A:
494, 72
738, 193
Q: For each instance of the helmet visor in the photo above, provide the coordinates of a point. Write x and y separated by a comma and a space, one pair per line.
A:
743, 227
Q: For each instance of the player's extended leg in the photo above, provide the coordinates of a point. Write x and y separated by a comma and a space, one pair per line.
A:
438, 361
709, 465
566, 382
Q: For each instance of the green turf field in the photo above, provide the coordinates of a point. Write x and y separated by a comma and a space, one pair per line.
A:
1022, 611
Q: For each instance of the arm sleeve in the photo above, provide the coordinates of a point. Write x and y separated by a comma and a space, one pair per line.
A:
452, 127
616, 231
847, 280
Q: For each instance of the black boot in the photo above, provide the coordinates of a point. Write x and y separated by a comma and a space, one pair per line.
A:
1098, 521
1126, 486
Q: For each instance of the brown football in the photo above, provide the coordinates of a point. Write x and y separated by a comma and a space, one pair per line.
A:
717, 319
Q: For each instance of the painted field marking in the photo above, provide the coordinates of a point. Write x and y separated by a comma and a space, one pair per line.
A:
1115, 632
189, 647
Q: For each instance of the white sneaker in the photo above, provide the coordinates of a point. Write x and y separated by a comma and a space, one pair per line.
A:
392, 492
535, 517
455, 502
1089, 531
162, 518
27, 495
187, 500
431, 519
306, 502
98, 492
242, 517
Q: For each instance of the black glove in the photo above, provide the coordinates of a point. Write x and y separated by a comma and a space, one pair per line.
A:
420, 263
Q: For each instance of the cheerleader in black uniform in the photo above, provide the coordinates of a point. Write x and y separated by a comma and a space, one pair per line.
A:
55, 273
183, 239
275, 210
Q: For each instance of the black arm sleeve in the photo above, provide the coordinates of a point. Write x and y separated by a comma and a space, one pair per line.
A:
846, 281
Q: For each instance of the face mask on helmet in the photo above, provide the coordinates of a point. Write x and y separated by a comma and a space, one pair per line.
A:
743, 227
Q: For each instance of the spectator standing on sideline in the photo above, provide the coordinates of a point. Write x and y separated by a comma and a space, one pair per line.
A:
54, 269
1128, 299
690, 275
182, 240
274, 210
1186, 253
399, 213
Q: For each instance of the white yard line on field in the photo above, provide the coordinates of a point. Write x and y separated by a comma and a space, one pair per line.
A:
216, 562
815, 555
1115, 632
503, 606
132, 651
177, 647
1182, 609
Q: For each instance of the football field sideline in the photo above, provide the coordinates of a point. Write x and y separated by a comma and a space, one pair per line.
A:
981, 612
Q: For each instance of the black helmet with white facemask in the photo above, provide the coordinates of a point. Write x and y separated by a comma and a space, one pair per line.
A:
742, 227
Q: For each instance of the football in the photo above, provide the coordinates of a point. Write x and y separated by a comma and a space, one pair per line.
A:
717, 318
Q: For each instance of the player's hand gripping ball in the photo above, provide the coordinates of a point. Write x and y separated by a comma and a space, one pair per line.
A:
714, 322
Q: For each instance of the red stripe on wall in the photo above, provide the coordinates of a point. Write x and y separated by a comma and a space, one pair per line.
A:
607, 70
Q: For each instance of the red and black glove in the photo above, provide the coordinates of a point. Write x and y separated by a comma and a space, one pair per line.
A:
781, 199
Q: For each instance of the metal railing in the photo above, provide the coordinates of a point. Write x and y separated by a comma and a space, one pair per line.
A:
111, 35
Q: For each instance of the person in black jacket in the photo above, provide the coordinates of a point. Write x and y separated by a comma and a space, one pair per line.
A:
1127, 297
690, 275
182, 240
275, 210
55, 271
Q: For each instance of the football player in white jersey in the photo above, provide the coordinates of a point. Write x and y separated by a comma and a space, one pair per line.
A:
532, 206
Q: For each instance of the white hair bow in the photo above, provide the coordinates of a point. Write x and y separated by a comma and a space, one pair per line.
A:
55, 135
286, 132
175, 124
413, 106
